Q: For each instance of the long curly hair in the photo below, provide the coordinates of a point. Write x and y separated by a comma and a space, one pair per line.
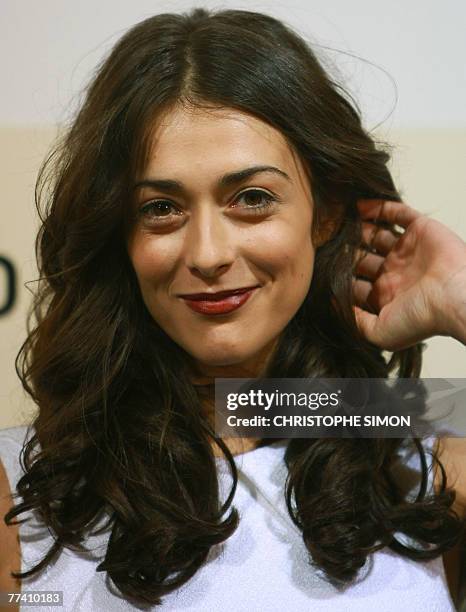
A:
120, 431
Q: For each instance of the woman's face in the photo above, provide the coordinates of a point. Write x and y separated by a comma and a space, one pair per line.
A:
207, 219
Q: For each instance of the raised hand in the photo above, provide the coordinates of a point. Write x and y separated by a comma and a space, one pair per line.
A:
415, 280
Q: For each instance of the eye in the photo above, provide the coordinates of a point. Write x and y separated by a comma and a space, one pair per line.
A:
157, 209
260, 199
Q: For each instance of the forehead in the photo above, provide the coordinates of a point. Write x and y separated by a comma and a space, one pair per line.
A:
215, 140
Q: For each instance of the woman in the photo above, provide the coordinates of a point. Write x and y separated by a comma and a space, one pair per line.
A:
212, 153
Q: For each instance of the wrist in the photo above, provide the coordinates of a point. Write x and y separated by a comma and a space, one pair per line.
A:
457, 312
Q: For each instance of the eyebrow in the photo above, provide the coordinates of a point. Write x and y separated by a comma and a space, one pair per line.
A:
227, 180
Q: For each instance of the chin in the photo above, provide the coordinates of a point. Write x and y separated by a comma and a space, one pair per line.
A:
220, 360
221, 357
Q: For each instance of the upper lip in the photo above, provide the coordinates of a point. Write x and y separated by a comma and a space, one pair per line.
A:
218, 294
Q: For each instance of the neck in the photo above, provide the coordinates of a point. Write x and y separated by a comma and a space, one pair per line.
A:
204, 376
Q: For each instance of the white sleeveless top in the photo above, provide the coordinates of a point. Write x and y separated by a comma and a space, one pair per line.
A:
262, 567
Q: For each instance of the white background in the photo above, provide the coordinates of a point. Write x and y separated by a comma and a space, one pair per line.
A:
48, 49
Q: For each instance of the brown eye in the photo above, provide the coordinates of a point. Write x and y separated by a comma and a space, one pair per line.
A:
152, 209
256, 199
158, 212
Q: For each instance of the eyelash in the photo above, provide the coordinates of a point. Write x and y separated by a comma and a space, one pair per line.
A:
270, 200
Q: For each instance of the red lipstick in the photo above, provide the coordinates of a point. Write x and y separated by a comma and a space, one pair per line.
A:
219, 303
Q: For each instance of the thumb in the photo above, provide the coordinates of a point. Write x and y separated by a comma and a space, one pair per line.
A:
367, 324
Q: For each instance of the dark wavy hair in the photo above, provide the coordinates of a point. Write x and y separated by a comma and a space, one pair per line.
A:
120, 431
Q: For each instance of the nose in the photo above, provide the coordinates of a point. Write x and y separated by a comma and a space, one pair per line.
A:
209, 248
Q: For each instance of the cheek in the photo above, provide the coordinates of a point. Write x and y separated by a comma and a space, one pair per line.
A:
286, 250
152, 260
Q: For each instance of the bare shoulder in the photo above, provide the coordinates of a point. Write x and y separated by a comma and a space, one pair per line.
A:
10, 560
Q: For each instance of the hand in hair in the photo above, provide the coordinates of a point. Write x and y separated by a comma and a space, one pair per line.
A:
414, 281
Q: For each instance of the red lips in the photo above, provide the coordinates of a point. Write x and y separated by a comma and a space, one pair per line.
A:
218, 303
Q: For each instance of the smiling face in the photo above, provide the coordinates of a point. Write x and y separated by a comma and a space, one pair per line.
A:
208, 222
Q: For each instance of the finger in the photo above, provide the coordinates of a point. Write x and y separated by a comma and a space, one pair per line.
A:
368, 264
361, 292
397, 213
378, 239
